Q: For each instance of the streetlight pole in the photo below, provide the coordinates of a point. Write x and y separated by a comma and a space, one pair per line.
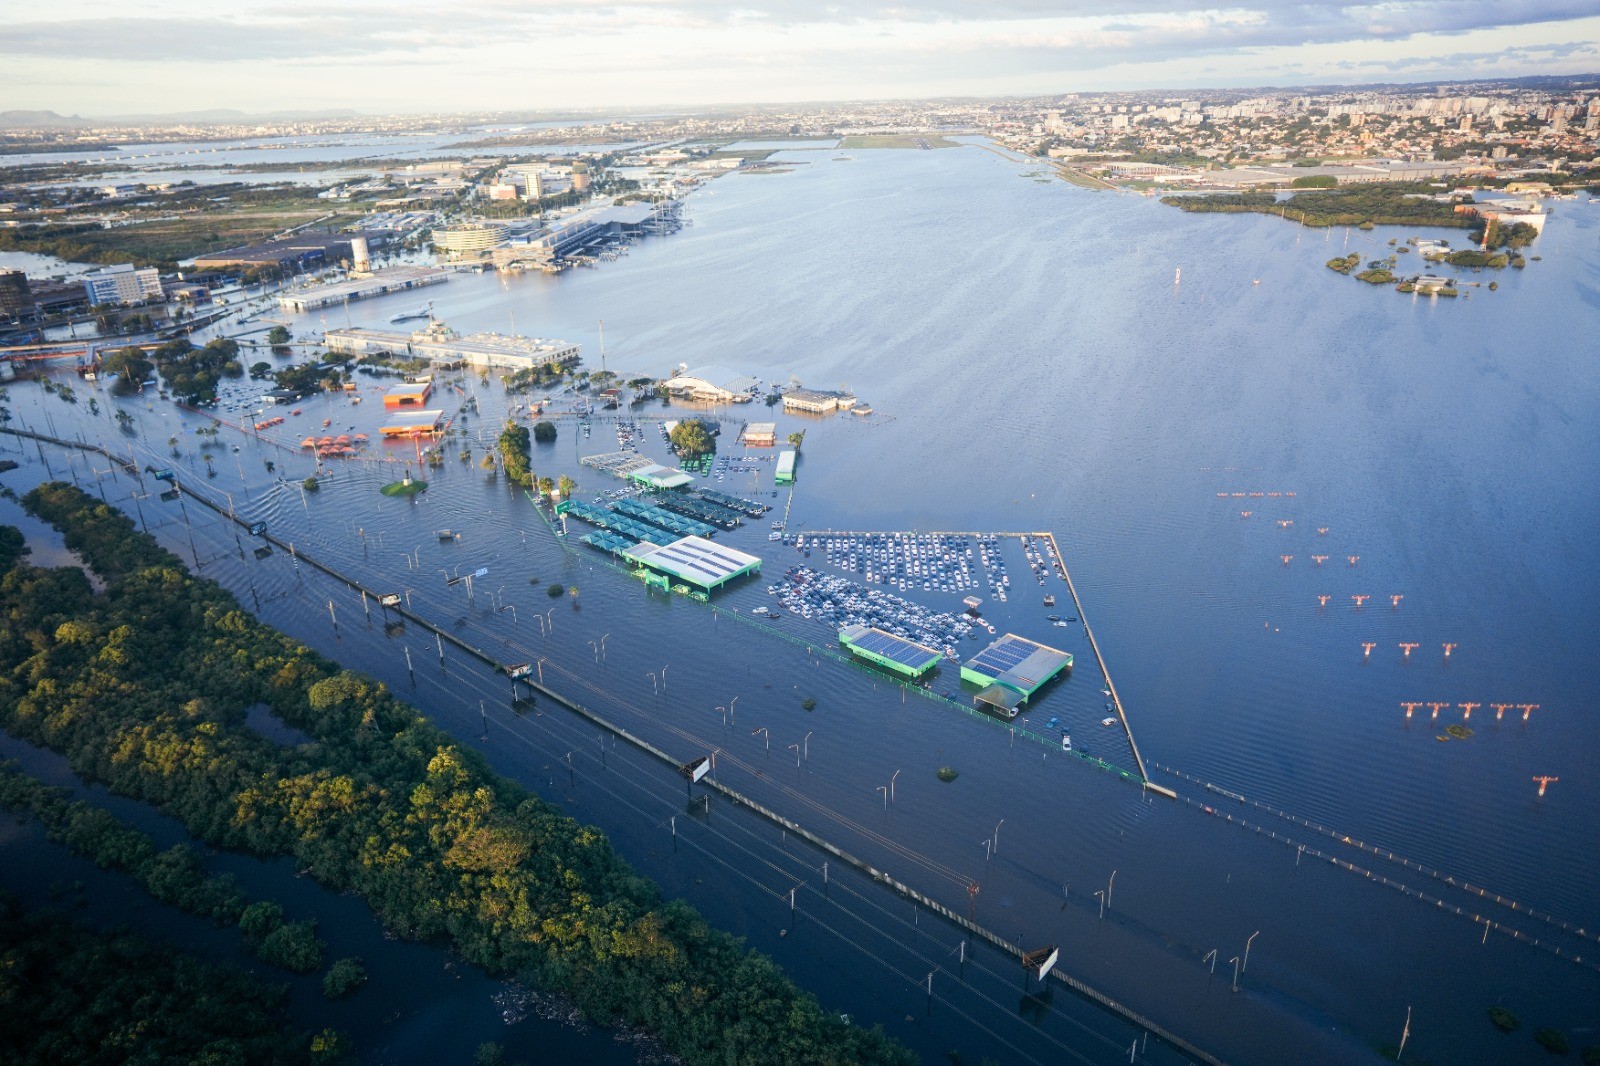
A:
885, 790
1235, 961
807, 745
1246, 965
997, 826
1102, 896
765, 736
891, 785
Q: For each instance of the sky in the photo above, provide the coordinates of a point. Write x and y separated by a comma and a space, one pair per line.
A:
97, 57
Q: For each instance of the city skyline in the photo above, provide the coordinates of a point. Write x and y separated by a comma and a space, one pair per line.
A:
685, 53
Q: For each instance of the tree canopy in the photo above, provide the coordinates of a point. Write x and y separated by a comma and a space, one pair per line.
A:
692, 438
384, 803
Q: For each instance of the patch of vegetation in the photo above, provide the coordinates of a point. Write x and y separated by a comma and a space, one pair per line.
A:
1314, 181
130, 366
191, 373
1376, 276
344, 978
1472, 257
808, 704
514, 454
1553, 1041
199, 220
544, 432
555, 590
311, 484
400, 488
1388, 203
1504, 1020
948, 773
384, 804
1345, 263
1460, 732
76, 995
692, 438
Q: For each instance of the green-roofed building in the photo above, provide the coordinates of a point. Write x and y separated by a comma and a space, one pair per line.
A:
904, 657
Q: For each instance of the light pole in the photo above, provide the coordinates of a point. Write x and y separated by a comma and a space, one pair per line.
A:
730, 706
891, 786
1212, 956
1109, 885
603, 644
765, 736
550, 617
997, 826
1246, 964
796, 749
885, 790
1235, 961
655, 689
596, 648
1102, 896
807, 745
724, 712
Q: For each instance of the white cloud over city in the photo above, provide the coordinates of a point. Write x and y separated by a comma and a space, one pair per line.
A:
97, 58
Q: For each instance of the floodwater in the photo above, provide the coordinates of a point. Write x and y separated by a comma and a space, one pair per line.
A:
1034, 366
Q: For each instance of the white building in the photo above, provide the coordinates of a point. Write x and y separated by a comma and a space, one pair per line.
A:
712, 384
469, 238
122, 285
815, 402
441, 344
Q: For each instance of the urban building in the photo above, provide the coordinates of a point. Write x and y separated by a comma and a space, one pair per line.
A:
441, 344
122, 284
395, 279
813, 401
761, 434
16, 297
468, 239
712, 384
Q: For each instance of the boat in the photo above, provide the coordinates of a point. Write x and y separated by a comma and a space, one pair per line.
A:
1049, 601
1066, 741
326, 422
446, 534
1108, 721
412, 316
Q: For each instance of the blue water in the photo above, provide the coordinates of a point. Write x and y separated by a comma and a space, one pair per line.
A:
1034, 367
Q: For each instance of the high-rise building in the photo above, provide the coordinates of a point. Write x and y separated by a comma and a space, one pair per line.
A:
16, 298
122, 284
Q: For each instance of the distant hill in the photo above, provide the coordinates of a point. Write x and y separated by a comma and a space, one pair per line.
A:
230, 115
21, 119
36, 119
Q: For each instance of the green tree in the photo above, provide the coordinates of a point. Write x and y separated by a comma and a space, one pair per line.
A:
544, 432
692, 438
294, 946
278, 335
344, 977
565, 485
131, 368
796, 439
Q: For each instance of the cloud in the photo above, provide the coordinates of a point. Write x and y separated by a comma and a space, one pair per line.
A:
1114, 27
472, 53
